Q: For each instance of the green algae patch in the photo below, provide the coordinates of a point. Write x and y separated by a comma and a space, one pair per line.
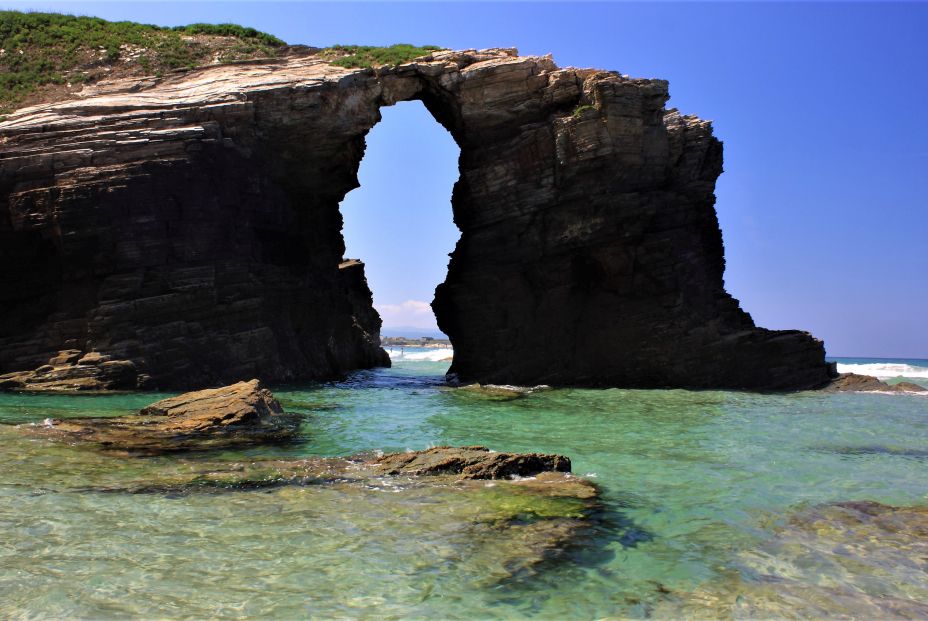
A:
508, 503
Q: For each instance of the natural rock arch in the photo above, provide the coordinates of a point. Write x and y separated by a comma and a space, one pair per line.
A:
191, 225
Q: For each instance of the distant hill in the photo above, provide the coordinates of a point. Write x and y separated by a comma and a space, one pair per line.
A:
413, 333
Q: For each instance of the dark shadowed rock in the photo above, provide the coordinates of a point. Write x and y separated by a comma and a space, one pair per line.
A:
852, 382
190, 225
240, 414
74, 371
471, 462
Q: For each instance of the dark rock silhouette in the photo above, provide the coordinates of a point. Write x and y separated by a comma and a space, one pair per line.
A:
190, 225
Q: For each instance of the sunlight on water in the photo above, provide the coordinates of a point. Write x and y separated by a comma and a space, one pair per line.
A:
712, 509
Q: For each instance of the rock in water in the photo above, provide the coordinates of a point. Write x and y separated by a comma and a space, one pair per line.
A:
190, 225
471, 462
854, 382
508, 527
240, 414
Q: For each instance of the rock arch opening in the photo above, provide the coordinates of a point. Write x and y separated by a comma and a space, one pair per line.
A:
398, 222
197, 234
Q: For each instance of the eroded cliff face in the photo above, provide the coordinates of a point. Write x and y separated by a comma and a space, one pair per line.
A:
190, 225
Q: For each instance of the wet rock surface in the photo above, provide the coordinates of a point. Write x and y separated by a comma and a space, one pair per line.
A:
853, 382
190, 225
471, 462
75, 371
880, 551
512, 525
240, 414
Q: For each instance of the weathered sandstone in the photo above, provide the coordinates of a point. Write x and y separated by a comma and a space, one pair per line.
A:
190, 225
854, 382
240, 414
73, 371
471, 462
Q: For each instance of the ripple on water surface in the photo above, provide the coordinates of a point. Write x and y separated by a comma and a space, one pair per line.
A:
715, 504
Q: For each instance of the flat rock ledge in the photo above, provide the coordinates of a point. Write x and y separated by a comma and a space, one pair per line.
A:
471, 462
242, 413
512, 524
73, 371
853, 382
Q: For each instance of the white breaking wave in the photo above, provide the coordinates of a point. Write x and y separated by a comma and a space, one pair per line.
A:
434, 355
885, 370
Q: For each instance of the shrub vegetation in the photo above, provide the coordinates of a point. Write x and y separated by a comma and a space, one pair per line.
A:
44, 50
43, 56
370, 56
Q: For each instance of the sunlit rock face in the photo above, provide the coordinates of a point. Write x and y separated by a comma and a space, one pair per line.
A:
191, 225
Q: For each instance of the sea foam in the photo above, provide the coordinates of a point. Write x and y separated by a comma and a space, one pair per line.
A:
885, 370
434, 355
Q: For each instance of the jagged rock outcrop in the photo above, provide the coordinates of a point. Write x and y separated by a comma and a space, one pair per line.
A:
240, 414
191, 226
75, 371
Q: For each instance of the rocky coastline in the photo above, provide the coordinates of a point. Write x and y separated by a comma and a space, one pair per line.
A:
189, 225
527, 497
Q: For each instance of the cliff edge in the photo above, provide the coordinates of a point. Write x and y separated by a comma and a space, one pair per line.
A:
189, 224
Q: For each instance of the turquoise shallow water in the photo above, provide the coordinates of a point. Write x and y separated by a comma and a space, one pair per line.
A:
699, 491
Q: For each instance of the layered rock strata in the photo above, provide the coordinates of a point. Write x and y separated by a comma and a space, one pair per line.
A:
190, 225
75, 371
238, 415
471, 462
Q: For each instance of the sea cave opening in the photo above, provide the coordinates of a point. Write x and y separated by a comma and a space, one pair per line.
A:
399, 223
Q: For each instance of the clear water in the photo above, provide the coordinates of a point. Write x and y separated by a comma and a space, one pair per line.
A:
699, 490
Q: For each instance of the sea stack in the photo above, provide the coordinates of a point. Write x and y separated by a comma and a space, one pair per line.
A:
189, 225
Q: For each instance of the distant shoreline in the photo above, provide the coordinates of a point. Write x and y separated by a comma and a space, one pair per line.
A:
425, 341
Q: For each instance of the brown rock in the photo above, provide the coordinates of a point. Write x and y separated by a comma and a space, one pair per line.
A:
93, 358
240, 414
909, 387
65, 358
853, 382
190, 225
72, 371
471, 462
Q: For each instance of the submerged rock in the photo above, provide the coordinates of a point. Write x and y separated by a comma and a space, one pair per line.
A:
471, 462
853, 382
506, 527
846, 560
497, 392
541, 475
74, 371
243, 413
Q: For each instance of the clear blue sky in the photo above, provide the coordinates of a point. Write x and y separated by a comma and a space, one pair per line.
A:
824, 198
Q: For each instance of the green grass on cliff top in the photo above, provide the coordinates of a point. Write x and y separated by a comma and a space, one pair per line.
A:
48, 56
42, 53
365, 56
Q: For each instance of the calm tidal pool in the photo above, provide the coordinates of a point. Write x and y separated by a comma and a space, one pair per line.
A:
712, 508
